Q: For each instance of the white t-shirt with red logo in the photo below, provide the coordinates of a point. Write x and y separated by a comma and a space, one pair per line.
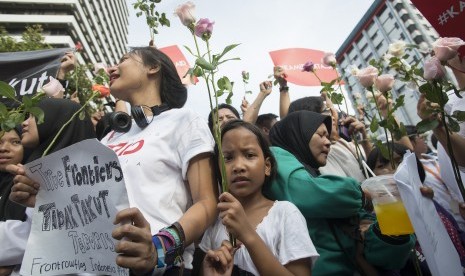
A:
283, 230
155, 160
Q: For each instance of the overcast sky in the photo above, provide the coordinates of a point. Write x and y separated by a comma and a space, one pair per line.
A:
260, 26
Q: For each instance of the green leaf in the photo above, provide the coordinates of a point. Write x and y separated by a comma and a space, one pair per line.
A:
6, 90
15, 119
27, 101
402, 131
38, 113
204, 64
426, 125
383, 123
418, 72
82, 115
228, 99
8, 125
219, 93
197, 71
399, 102
164, 21
227, 49
383, 149
189, 50
374, 125
459, 115
337, 98
3, 110
425, 88
225, 84
453, 125
223, 61
433, 94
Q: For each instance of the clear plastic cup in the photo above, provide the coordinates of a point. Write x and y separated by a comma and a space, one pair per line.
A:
390, 211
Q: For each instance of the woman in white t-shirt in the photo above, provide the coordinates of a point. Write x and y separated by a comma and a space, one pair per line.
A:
166, 161
273, 234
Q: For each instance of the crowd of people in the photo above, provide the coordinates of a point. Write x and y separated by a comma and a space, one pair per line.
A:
295, 205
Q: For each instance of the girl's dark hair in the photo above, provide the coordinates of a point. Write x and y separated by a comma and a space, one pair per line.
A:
172, 91
262, 142
221, 106
311, 103
400, 149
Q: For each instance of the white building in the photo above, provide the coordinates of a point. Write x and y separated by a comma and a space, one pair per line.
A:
385, 22
100, 25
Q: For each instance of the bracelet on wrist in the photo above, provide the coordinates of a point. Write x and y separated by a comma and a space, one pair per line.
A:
171, 239
284, 89
160, 251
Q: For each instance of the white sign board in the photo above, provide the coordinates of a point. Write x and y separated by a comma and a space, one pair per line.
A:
81, 190
440, 253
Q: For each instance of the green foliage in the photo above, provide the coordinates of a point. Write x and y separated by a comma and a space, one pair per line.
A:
153, 18
11, 117
383, 148
80, 81
32, 39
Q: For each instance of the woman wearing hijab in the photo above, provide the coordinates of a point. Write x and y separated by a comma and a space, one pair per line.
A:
56, 113
332, 205
11, 152
37, 137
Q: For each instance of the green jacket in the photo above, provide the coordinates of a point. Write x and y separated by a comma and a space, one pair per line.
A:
326, 200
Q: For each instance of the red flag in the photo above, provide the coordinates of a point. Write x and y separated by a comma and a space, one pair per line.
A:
446, 16
292, 61
180, 61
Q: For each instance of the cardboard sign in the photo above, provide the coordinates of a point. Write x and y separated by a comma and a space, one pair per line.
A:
439, 251
292, 61
81, 190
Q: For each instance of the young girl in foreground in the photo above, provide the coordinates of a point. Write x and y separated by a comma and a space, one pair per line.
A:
273, 234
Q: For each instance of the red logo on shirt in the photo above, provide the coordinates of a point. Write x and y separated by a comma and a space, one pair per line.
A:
127, 148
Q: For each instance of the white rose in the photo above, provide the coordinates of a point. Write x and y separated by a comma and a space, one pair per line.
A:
397, 48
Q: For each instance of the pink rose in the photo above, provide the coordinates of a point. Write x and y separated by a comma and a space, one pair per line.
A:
446, 48
433, 69
53, 87
204, 28
384, 82
78, 47
329, 59
366, 76
100, 66
186, 12
309, 66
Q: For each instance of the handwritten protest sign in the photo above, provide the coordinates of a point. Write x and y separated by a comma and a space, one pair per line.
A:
440, 253
81, 190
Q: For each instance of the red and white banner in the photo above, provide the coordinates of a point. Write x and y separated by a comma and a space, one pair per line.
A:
292, 61
180, 61
446, 16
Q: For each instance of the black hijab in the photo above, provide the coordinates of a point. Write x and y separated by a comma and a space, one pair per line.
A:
56, 113
8, 208
294, 132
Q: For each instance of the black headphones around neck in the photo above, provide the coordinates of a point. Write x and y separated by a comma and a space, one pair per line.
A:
121, 121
